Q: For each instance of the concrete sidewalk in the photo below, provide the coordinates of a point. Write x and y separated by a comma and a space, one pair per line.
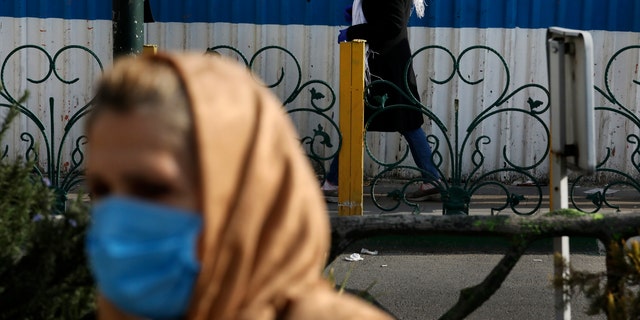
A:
487, 199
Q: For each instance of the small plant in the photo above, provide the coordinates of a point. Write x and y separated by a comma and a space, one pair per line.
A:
363, 294
616, 292
43, 272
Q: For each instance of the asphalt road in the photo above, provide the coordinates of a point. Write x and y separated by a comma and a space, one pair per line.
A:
420, 278
424, 286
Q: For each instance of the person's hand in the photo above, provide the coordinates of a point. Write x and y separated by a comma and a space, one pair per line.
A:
348, 14
342, 36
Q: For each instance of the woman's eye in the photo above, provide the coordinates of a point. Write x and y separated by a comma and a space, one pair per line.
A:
151, 191
98, 190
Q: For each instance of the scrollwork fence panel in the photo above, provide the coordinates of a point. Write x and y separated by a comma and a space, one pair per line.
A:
618, 159
459, 142
52, 139
469, 149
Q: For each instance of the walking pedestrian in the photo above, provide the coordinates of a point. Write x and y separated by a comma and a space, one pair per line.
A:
383, 24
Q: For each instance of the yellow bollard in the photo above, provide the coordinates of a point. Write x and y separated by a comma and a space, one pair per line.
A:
351, 163
149, 50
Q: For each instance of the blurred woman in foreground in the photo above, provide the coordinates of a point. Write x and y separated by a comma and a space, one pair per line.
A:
205, 206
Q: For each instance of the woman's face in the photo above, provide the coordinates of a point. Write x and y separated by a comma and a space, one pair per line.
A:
134, 155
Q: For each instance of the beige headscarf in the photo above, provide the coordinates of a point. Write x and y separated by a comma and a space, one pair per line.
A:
266, 230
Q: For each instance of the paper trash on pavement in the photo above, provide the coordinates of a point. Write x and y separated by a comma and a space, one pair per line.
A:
354, 257
371, 253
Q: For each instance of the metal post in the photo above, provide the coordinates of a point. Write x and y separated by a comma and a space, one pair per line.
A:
570, 67
128, 27
149, 50
558, 199
350, 173
559, 186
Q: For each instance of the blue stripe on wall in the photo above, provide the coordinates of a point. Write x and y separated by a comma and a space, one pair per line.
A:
612, 15
65, 9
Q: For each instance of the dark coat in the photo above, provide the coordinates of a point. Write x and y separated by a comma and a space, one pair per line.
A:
389, 52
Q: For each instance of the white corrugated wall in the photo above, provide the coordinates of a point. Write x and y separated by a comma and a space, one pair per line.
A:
522, 49
316, 50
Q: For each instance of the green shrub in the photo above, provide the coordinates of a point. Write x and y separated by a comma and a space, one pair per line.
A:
43, 271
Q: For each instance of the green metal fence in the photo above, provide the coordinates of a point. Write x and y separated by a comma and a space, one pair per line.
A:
606, 174
457, 144
61, 175
452, 144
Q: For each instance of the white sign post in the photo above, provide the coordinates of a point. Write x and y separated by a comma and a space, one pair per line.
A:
570, 67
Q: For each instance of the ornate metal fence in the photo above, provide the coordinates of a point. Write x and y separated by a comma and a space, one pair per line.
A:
608, 175
457, 147
62, 172
462, 183
460, 143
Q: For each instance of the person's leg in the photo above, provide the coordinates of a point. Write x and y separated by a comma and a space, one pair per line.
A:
330, 185
421, 152
332, 174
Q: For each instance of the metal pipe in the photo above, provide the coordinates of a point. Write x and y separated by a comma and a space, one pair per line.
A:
128, 27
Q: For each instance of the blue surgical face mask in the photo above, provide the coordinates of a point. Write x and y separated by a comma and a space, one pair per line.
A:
143, 256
